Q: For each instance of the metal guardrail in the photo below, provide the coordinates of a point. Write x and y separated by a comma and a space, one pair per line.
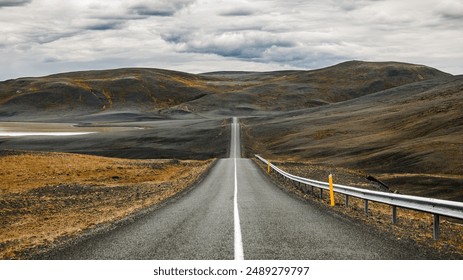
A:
437, 207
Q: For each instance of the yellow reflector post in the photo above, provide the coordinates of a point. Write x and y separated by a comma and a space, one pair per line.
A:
330, 180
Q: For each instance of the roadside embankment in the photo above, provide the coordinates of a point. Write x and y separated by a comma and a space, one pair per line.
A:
411, 226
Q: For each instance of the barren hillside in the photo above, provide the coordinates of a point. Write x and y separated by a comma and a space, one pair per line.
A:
410, 135
163, 92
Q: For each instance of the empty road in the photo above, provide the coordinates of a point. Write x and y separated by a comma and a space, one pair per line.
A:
236, 212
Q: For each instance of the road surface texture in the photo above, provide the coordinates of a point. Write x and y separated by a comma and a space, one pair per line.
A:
236, 212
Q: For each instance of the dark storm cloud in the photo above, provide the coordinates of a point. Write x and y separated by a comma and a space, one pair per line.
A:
13, 3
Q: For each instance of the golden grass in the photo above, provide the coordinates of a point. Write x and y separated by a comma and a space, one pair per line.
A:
20, 173
47, 197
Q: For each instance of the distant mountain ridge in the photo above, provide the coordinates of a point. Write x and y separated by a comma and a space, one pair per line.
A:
226, 93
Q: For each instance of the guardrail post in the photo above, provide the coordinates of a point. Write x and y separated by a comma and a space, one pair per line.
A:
394, 214
268, 167
366, 206
347, 201
330, 181
321, 193
313, 190
436, 229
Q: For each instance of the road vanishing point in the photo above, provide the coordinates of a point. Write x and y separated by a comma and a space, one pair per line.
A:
237, 212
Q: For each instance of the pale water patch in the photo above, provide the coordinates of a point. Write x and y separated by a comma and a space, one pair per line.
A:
19, 134
24, 129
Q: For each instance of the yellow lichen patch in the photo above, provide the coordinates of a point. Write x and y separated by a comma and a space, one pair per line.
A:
83, 84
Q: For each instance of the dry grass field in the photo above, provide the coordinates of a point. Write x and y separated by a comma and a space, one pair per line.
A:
47, 198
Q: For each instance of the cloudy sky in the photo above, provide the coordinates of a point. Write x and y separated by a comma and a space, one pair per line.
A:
39, 37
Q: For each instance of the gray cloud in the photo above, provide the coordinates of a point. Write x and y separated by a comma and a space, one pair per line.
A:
147, 11
351, 5
450, 10
103, 24
51, 60
162, 8
453, 16
240, 11
45, 37
243, 45
13, 3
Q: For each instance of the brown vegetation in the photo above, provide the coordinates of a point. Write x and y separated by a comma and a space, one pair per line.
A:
50, 197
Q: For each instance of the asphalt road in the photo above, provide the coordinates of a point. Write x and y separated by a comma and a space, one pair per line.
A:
235, 213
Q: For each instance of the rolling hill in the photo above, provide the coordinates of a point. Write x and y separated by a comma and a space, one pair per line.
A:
83, 93
164, 92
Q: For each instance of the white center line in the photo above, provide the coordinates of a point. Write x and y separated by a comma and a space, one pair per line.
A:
239, 253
